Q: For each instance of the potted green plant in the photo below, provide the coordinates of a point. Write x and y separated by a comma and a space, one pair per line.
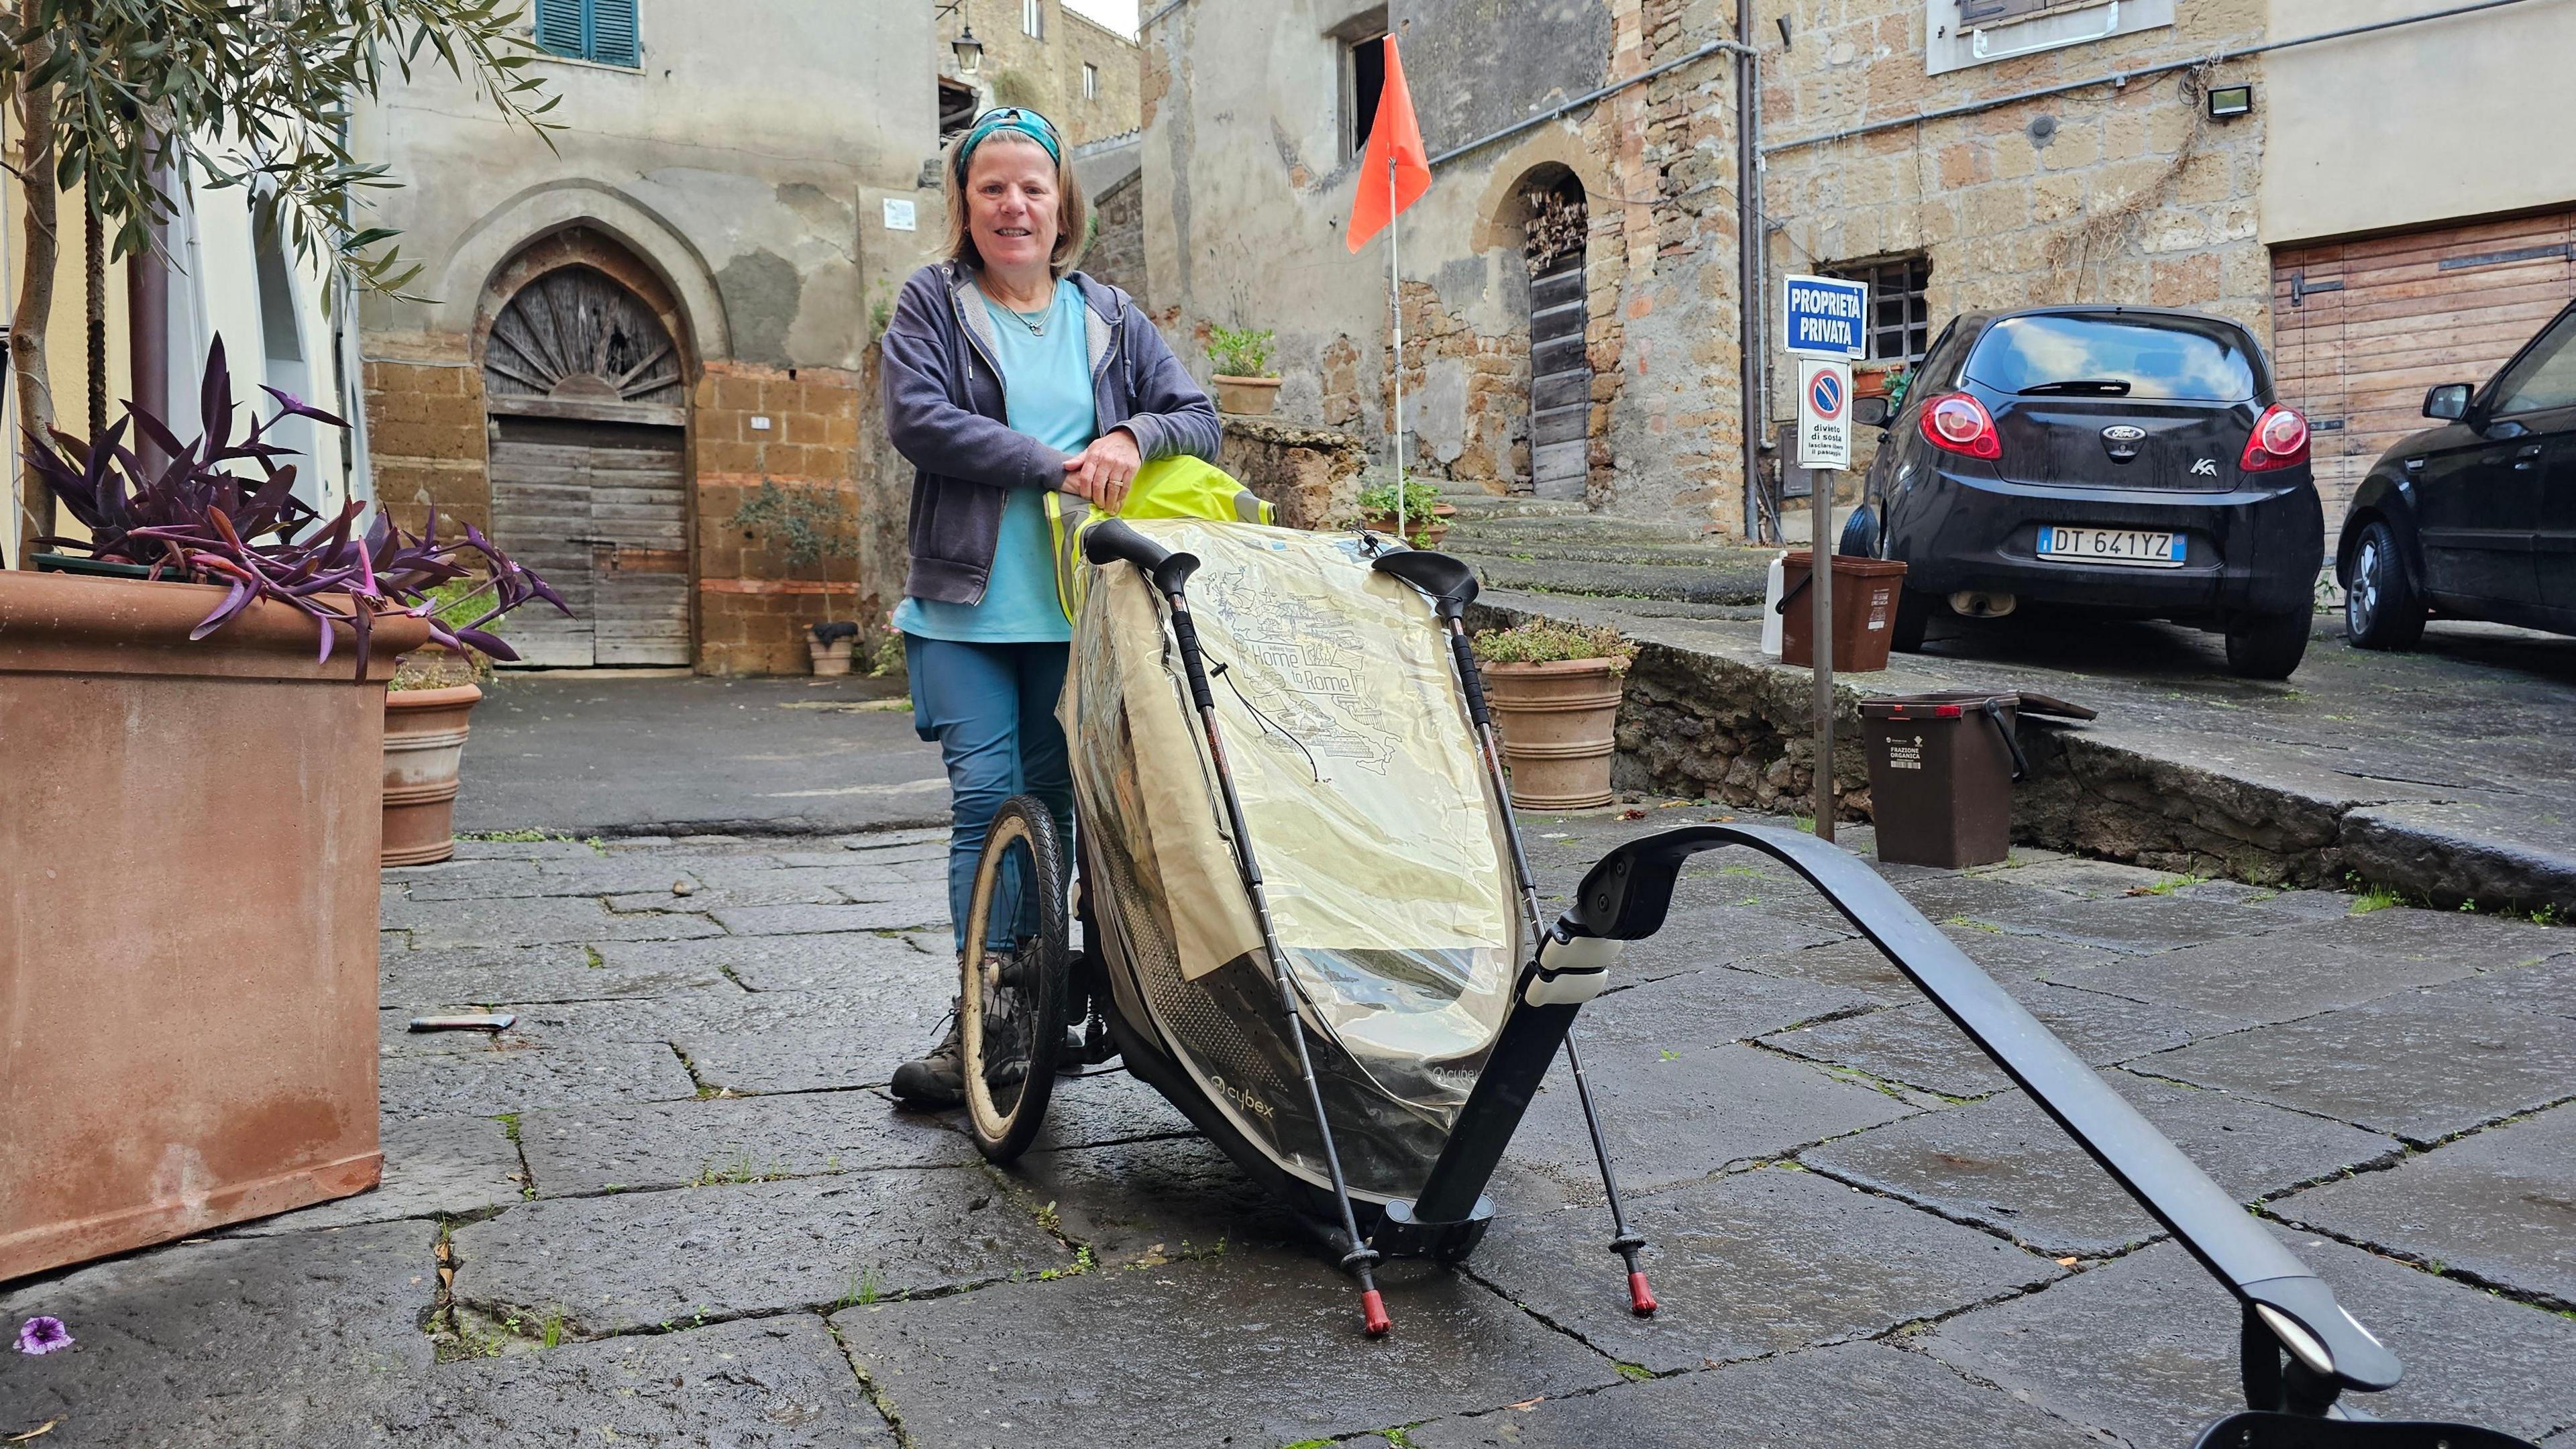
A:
1245, 380
1426, 518
1554, 689
197, 768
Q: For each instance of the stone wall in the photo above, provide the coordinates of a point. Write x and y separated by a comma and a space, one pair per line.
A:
1117, 251
753, 607
426, 433
1045, 72
1311, 475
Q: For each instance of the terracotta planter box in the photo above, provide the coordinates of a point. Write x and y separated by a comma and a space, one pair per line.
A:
425, 733
1556, 720
187, 916
1252, 396
1418, 533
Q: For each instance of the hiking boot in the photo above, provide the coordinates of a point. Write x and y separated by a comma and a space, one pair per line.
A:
937, 1080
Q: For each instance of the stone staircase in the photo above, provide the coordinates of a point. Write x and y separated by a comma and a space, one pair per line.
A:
1554, 546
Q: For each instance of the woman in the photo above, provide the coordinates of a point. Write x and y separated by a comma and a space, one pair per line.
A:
1007, 373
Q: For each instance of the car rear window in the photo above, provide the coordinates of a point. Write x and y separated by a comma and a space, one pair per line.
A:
2157, 357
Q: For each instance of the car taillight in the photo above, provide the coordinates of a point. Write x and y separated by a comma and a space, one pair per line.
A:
1959, 423
2280, 440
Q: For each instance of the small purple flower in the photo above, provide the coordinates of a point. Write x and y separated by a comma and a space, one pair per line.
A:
43, 1335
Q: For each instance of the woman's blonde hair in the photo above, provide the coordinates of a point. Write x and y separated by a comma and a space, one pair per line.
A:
1072, 209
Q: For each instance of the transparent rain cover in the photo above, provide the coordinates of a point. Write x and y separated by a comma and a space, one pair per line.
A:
1377, 835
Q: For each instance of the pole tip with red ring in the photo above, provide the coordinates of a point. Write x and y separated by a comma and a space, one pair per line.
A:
1373, 1314
1641, 1299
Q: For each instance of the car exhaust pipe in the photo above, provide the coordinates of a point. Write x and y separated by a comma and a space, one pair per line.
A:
1980, 604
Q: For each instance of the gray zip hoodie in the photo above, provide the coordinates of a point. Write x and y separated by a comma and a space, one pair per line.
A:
944, 411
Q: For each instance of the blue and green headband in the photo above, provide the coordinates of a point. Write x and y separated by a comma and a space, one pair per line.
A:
1016, 119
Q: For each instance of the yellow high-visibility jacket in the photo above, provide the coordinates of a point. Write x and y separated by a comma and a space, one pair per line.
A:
1175, 487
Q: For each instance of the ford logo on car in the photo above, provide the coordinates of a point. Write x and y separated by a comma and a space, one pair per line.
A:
2123, 433
2120, 440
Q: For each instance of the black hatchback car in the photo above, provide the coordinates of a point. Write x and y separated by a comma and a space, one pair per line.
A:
2125, 459
2475, 519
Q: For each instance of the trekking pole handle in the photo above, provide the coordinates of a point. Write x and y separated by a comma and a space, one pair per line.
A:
1470, 678
1111, 541
1194, 664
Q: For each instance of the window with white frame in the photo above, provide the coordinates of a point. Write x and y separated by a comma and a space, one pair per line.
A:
1090, 81
1033, 18
1963, 33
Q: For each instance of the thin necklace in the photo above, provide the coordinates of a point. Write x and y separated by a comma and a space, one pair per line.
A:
1035, 322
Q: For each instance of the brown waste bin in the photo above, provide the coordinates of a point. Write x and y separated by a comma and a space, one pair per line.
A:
1941, 771
1865, 595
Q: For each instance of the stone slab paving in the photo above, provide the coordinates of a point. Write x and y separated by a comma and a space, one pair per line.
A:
1246, 1348
1751, 1264
2423, 1065
1187, 1309
2327, 965
437, 1167
1856, 1394
779, 1383
582, 1151
1918, 1046
2146, 1347
298, 1339
633, 1261
2497, 1208
2003, 1165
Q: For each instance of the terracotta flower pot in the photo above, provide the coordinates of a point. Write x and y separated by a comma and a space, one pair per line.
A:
188, 895
1419, 533
424, 745
1555, 720
830, 660
1252, 395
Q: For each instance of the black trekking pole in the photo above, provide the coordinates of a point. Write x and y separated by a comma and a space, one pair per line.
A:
1168, 572
1451, 585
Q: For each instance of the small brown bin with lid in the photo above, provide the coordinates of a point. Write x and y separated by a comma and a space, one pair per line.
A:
1865, 595
1941, 771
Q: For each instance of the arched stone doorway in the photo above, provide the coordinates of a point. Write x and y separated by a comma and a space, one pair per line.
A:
1555, 221
585, 385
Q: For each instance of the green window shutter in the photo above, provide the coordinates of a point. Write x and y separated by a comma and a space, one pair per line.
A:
559, 26
612, 32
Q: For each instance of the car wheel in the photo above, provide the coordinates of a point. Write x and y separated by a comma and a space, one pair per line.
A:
2267, 646
1860, 534
1913, 616
2381, 609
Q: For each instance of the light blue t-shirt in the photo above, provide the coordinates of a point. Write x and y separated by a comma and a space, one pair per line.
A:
1046, 393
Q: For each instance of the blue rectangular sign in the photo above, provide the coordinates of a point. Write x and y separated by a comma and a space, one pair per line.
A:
1824, 316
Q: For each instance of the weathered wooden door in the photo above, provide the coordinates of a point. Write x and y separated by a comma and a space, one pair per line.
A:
601, 511
1560, 369
587, 432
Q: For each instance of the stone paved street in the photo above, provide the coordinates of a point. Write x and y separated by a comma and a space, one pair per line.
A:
674, 1205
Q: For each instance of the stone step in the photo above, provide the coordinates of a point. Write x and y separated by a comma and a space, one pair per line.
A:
1511, 535
1477, 507
1736, 580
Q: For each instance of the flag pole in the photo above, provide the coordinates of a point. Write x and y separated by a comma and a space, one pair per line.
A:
1395, 299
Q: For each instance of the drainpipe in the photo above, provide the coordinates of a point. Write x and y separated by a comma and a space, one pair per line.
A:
147, 331
1749, 240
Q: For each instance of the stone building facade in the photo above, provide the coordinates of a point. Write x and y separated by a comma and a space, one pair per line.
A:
1039, 53
2099, 192
623, 339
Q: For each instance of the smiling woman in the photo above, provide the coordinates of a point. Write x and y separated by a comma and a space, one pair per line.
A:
1008, 375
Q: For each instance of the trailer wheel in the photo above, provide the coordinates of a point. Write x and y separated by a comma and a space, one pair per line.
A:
1011, 1000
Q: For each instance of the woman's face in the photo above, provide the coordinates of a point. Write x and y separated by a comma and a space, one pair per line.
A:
1011, 203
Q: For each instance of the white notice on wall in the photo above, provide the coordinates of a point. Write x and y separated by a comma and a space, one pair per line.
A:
899, 215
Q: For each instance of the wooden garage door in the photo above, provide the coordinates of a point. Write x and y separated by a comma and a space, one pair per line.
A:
2360, 329
599, 510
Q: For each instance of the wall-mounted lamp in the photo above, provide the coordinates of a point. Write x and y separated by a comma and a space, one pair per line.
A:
970, 51
2226, 103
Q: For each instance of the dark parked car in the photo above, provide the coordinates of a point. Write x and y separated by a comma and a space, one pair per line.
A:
2129, 460
2475, 519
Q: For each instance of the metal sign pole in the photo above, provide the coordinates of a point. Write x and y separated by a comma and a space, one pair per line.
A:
1820, 582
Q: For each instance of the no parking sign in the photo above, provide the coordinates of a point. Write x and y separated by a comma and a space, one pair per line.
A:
1824, 413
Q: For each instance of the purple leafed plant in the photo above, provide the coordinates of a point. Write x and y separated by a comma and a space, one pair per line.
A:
223, 510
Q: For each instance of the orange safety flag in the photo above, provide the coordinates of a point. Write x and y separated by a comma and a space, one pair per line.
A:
1395, 138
